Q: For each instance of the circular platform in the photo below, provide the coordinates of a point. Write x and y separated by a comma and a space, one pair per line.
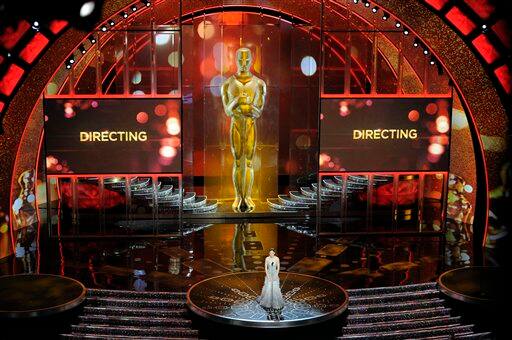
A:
478, 285
231, 299
30, 295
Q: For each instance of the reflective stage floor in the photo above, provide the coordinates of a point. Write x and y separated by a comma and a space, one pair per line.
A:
174, 264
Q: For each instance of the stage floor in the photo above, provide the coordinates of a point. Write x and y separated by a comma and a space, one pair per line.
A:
175, 264
231, 299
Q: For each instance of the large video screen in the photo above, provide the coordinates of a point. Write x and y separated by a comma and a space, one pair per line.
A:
112, 136
385, 134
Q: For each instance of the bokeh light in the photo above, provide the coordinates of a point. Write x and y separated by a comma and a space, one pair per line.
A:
442, 124
167, 151
205, 29
162, 38
435, 149
173, 126
308, 66
431, 108
215, 85
142, 117
174, 59
160, 110
413, 115
136, 77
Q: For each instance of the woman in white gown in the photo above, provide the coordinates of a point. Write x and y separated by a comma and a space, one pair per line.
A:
271, 297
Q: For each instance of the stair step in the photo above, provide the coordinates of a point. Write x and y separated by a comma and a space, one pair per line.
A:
394, 307
135, 295
150, 303
133, 331
148, 312
98, 336
401, 325
394, 297
389, 290
476, 336
135, 321
413, 333
356, 319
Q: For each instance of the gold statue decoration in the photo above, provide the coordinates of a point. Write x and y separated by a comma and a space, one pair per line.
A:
243, 97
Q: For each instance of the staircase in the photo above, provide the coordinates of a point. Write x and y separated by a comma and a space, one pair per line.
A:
331, 189
112, 314
404, 312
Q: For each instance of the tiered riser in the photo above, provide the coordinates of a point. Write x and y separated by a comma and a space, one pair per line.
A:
128, 314
403, 312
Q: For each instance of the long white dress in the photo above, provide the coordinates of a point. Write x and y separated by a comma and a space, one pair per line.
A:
271, 297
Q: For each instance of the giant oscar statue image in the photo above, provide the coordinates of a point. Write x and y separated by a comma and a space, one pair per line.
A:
243, 97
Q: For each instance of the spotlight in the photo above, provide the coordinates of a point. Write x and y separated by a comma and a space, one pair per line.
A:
356, 1
398, 24
406, 31
366, 4
485, 28
111, 22
68, 66
36, 24
146, 2
425, 51
432, 60
103, 28
124, 14
416, 43
82, 49
134, 8
87, 8
385, 16
375, 9
71, 60
92, 39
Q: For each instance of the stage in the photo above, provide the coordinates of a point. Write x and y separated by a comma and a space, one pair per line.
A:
231, 299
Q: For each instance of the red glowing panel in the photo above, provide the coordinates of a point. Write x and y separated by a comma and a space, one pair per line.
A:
483, 8
501, 30
57, 25
11, 36
503, 75
437, 4
486, 48
34, 48
11, 79
460, 20
2, 104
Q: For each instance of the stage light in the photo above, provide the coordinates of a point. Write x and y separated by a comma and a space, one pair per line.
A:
398, 24
92, 39
425, 51
356, 2
134, 8
147, 3
71, 60
406, 31
68, 66
375, 9
432, 60
484, 28
124, 14
82, 49
35, 24
385, 16
416, 43
366, 4
111, 22
87, 9
103, 28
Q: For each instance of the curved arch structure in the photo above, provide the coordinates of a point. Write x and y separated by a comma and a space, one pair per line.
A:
481, 100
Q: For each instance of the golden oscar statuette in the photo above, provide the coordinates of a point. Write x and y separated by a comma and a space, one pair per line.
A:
243, 97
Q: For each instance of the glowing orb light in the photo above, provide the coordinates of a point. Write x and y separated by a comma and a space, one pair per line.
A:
205, 29
308, 66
